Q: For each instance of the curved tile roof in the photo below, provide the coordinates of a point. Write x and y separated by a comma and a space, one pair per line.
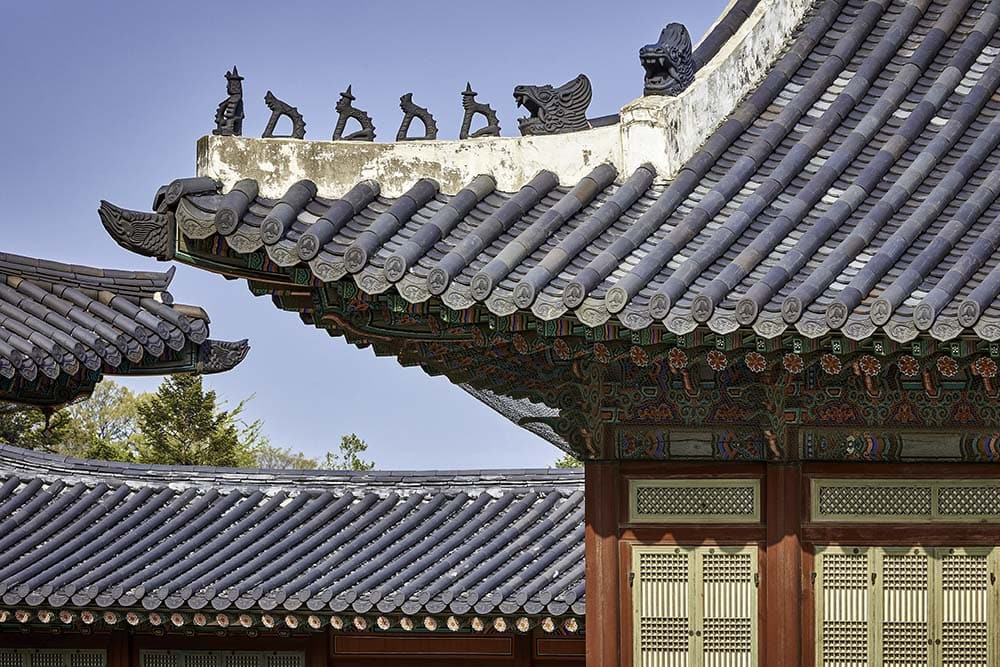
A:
65, 323
77, 533
854, 191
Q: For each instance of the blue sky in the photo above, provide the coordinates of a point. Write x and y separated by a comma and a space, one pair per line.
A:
107, 99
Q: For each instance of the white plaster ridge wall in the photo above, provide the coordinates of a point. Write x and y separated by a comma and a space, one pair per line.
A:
663, 131
336, 166
667, 131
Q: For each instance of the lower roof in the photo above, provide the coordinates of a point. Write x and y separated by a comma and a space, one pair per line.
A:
62, 326
90, 534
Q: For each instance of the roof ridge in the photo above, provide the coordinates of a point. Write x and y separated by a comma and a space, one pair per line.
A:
17, 460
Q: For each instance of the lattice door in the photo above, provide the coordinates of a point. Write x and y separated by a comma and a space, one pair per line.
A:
844, 592
164, 658
726, 606
936, 607
662, 594
200, 659
962, 601
53, 658
695, 607
903, 580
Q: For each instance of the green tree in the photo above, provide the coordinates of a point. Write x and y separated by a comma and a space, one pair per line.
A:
267, 455
106, 424
31, 428
182, 424
348, 456
108, 451
568, 461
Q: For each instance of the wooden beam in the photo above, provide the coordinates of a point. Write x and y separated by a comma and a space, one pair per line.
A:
782, 591
903, 535
601, 500
704, 535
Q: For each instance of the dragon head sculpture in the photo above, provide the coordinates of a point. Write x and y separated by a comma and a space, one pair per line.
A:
554, 110
668, 63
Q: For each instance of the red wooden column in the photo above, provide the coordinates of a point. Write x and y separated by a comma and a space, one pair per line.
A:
318, 649
603, 593
120, 653
782, 581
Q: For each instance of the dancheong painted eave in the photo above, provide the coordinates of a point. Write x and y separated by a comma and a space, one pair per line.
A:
63, 326
852, 192
96, 535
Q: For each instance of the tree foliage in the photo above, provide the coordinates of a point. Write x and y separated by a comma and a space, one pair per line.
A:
348, 456
181, 423
30, 428
109, 417
274, 457
568, 461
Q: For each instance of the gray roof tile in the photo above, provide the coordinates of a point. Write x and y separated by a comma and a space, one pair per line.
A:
827, 188
71, 324
85, 533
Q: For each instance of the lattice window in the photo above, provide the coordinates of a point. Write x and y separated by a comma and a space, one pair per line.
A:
979, 500
904, 607
695, 607
864, 501
893, 501
53, 658
694, 501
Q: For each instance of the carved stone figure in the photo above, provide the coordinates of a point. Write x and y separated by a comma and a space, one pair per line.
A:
554, 110
149, 234
472, 107
345, 107
217, 356
411, 111
668, 63
279, 109
229, 116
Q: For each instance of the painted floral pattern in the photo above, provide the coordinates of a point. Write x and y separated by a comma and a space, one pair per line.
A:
717, 360
756, 361
638, 356
869, 365
602, 353
677, 358
985, 367
908, 366
947, 366
830, 364
792, 363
